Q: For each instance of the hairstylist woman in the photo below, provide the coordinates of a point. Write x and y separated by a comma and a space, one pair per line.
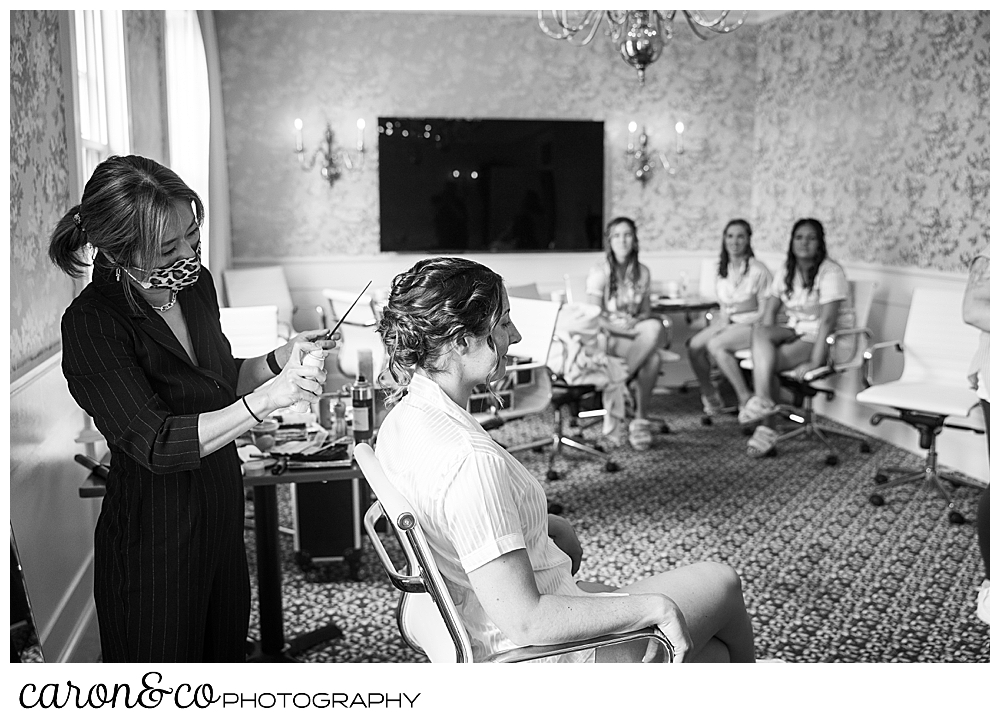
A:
145, 356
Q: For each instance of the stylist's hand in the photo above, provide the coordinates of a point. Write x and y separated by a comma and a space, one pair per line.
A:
297, 382
315, 336
675, 628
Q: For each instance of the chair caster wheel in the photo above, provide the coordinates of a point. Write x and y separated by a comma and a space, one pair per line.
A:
831, 460
551, 475
881, 479
877, 500
866, 448
706, 421
611, 466
956, 518
664, 428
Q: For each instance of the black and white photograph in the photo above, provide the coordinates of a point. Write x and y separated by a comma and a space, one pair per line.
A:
460, 335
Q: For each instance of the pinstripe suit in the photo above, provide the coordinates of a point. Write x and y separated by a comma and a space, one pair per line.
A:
171, 581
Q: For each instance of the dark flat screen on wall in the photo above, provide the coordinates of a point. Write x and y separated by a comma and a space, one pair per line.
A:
451, 185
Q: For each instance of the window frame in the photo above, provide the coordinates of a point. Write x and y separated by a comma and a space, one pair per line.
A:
106, 91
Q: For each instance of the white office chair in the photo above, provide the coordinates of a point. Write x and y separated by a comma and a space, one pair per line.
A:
427, 617
252, 331
531, 390
358, 331
264, 285
845, 352
936, 346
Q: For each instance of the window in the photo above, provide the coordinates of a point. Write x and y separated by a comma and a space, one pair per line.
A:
102, 106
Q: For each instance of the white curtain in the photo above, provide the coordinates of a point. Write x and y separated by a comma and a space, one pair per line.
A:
189, 112
218, 170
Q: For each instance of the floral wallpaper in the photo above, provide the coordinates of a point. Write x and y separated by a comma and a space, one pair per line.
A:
39, 183
876, 123
340, 66
39, 162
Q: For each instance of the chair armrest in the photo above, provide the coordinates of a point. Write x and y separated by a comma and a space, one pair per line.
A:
406, 583
869, 356
534, 652
833, 366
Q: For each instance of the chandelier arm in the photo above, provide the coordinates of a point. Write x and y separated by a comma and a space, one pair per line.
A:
697, 17
718, 25
568, 30
695, 28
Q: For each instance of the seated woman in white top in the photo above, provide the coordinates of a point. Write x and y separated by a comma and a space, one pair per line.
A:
620, 286
742, 285
508, 564
814, 293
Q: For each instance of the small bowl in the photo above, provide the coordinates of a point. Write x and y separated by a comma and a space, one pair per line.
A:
262, 434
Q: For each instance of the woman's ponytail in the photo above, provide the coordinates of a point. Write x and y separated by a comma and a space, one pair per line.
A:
66, 243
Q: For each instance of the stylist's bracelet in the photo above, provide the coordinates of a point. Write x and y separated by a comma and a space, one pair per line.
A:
272, 363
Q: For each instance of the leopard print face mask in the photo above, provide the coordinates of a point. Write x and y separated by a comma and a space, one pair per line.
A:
176, 276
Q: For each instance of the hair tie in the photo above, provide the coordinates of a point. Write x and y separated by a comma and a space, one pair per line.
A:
78, 222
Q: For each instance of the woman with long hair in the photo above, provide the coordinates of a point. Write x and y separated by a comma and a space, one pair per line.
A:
620, 286
742, 285
508, 564
145, 356
814, 293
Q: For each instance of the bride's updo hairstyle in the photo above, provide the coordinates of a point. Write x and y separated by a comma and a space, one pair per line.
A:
436, 302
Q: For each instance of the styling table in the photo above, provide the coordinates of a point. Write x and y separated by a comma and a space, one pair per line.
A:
273, 647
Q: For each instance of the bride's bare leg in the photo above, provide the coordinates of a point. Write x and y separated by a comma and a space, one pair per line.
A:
710, 596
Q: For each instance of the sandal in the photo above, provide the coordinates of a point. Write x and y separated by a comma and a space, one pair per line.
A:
640, 435
761, 444
756, 409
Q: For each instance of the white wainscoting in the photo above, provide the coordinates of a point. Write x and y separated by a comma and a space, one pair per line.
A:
964, 451
52, 525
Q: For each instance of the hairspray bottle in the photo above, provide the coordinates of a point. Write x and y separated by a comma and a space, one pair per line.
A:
309, 359
363, 409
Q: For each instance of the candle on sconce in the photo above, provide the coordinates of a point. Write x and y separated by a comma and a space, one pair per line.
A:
361, 134
631, 133
680, 131
298, 135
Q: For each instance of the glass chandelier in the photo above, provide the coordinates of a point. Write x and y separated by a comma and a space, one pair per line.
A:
639, 35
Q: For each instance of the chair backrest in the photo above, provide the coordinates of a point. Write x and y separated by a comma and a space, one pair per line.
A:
524, 291
706, 278
849, 352
937, 343
251, 330
536, 320
264, 285
427, 616
357, 331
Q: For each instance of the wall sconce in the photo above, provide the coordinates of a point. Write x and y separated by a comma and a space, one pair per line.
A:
331, 155
641, 159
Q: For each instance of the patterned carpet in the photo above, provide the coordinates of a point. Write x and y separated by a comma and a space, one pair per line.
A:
827, 577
